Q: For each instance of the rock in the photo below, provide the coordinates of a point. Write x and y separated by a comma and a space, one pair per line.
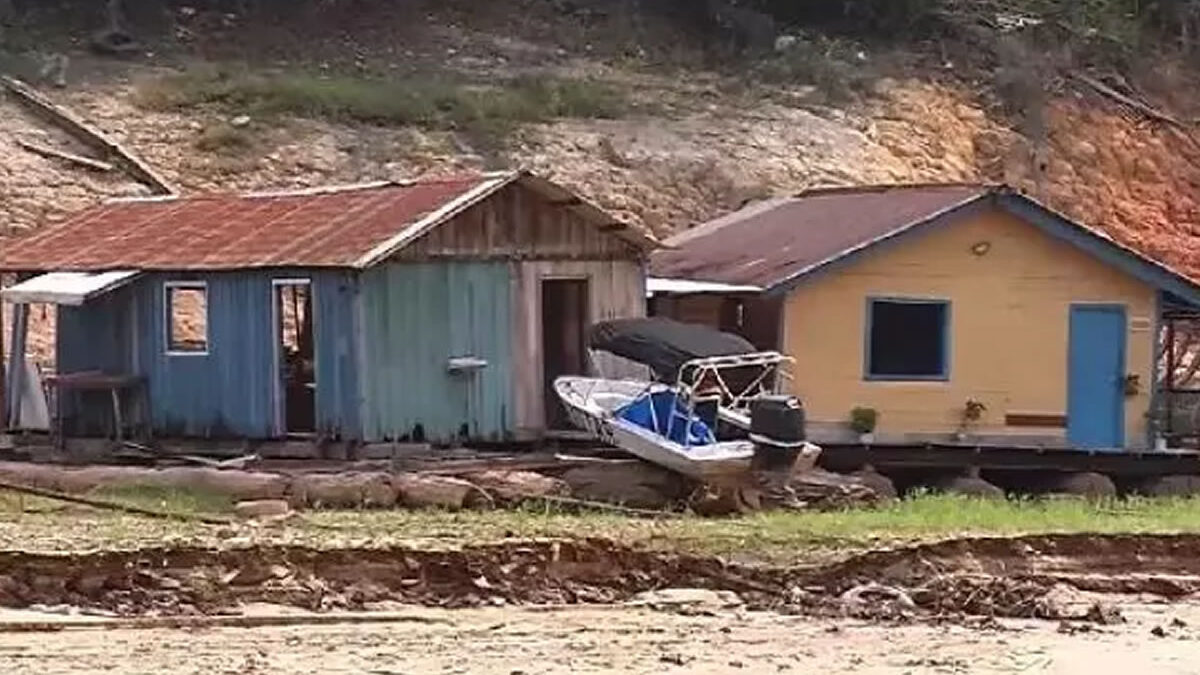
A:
687, 599
969, 486
1085, 484
874, 593
822, 489
513, 486
1179, 485
343, 490
240, 121
425, 491
881, 484
631, 483
262, 508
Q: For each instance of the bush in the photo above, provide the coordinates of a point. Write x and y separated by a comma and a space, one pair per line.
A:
224, 138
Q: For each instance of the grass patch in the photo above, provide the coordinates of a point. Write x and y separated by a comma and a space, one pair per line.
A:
172, 500
785, 537
775, 537
434, 103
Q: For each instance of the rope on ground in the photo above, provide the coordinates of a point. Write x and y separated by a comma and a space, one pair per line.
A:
115, 506
600, 506
215, 621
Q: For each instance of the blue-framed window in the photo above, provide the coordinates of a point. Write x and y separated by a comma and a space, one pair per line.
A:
907, 339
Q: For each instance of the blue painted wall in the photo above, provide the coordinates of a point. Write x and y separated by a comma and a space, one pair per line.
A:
336, 336
397, 324
415, 317
227, 392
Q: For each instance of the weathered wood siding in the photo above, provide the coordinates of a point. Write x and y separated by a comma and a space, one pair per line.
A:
519, 223
758, 320
1009, 319
616, 289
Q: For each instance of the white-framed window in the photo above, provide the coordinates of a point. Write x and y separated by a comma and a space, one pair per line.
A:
185, 317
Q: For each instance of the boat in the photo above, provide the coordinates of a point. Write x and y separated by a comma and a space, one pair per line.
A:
703, 382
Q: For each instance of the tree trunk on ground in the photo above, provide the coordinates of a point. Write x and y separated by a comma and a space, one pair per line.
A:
344, 490
424, 491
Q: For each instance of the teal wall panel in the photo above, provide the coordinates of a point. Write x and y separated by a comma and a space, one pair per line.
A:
415, 318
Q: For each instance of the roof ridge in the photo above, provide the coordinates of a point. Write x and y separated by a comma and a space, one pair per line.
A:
481, 176
884, 187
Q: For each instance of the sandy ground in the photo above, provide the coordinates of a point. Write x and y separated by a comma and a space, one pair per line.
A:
618, 640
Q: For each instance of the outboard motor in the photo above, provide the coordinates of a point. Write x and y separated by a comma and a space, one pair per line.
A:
777, 431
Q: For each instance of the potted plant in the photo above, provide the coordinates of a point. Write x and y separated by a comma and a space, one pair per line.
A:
863, 421
1156, 424
972, 412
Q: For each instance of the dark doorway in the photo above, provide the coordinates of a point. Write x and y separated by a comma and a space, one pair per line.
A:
297, 380
564, 352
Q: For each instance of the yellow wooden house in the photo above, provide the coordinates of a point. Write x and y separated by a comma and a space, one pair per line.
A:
957, 313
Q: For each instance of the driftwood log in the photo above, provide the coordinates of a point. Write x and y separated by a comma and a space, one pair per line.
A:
343, 490
79, 160
42, 106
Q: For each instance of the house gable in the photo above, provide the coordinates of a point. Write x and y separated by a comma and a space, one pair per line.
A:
519, 222
1087, 240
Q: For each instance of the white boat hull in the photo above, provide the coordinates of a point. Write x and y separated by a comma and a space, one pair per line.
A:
591, 404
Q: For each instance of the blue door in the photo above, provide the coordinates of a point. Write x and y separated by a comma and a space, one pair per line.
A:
1096, 377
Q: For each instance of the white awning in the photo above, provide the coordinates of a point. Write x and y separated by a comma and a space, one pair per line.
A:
67, 288
661, 285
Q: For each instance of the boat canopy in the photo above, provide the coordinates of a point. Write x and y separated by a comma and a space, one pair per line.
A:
665, 345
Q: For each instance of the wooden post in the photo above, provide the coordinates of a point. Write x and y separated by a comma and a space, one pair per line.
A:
1169, 378
3, 369
16, 363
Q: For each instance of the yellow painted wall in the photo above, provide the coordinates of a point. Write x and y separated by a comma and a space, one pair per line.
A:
1009, 324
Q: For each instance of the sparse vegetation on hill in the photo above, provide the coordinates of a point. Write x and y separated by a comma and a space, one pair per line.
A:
430, 102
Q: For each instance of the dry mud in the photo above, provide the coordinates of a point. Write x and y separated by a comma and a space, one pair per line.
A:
1116, 604
1038, 577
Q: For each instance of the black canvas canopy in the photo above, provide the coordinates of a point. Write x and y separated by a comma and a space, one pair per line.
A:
664, 344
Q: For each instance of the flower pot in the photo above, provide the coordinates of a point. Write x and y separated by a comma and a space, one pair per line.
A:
1160, 444
867, 438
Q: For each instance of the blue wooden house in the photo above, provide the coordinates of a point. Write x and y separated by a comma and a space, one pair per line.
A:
431, 310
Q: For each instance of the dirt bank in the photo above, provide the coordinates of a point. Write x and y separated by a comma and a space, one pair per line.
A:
1021, 577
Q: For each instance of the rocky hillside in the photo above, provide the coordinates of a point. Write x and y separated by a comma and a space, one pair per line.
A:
659, 134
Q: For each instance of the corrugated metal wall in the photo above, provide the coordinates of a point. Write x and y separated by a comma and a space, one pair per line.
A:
415, 317
228, 392
95, 336
336, 332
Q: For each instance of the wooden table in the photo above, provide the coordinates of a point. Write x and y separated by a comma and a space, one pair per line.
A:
94, 380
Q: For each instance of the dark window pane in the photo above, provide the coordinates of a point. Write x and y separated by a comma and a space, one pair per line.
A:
908, 339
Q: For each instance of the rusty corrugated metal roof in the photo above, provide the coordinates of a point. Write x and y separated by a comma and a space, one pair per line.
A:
353, 226
771, 242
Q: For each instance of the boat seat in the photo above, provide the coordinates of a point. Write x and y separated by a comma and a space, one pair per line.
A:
666, 415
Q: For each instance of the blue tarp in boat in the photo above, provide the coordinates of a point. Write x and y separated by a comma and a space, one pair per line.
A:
664, 413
